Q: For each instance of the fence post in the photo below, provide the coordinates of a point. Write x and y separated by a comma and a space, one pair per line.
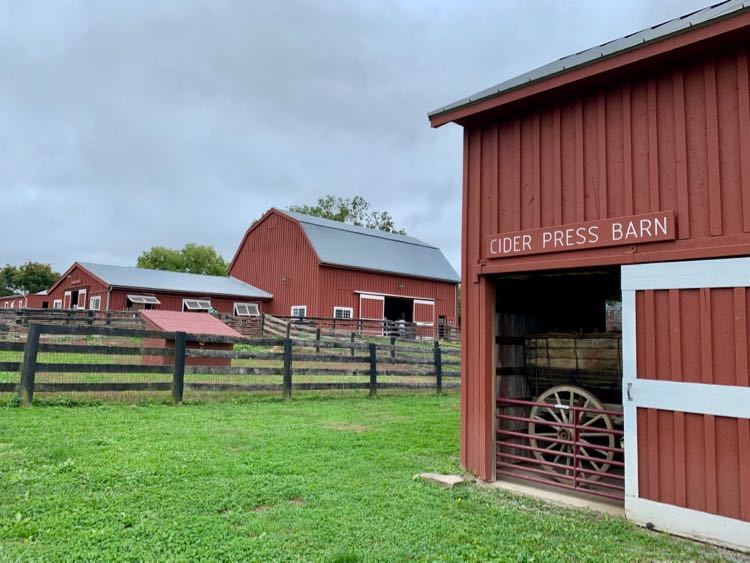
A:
393, 346
262, 324
28, 367
90, 315
288, 329
317, 340
178, 375
438, 367
373, 370
287, 369
352, 340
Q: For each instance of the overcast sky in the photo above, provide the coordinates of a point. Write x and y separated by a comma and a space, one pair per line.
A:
129, 124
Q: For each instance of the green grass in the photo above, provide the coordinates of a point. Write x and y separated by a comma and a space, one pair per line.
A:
311, 479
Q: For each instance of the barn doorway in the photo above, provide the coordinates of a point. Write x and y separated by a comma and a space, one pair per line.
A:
398, 307
559, 380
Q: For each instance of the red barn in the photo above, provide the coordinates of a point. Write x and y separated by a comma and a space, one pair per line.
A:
616, 178
29, 301
320, 268
119, 288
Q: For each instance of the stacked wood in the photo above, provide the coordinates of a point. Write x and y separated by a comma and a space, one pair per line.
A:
592, 361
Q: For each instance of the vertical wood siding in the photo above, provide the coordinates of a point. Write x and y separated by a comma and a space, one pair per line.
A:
338, 287
275, 250
675, 137
88, 282
693, 460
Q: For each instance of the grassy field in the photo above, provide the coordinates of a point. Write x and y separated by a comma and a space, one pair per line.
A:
311, 479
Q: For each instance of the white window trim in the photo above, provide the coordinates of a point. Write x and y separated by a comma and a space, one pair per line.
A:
95, 299
57, 304
304, 307
184, 308
81, 292
256, 305
144, 299
349, 310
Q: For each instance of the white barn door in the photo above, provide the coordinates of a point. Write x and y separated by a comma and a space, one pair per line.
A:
686, 397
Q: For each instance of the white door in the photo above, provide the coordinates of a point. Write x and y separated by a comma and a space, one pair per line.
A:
686, 397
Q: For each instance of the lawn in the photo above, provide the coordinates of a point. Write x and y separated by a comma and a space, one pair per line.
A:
312, 479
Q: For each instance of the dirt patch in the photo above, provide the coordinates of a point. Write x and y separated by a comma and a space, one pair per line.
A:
299, 501
262, 508
347, 427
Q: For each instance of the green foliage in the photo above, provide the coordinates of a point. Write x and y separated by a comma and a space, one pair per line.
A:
355, 210
308, 480
30, 277
193, 259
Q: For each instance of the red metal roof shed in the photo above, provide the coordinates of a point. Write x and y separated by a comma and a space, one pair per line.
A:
197, 324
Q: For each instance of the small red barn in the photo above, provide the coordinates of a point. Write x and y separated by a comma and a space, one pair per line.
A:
615, 179
200, 324
29, 301
120, 288
320, 268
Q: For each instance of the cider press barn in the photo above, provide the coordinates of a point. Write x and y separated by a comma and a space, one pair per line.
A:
606, 266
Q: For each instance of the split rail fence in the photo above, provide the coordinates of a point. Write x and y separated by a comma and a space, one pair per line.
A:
108, 361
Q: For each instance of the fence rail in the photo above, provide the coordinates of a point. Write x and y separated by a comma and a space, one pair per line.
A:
103, 359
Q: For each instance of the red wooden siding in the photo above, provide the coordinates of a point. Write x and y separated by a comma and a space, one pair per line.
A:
371, 308
674, 139
705, 332
118, 300
671, 136
338, 287
276, 257
424, 313
693, 460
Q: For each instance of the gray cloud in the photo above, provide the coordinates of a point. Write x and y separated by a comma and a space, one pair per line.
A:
133, 123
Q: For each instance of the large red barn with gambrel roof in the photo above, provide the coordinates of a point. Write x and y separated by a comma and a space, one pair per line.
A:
320, 268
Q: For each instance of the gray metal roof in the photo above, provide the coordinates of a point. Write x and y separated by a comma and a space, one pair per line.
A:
159, 280
630, 42
341, 244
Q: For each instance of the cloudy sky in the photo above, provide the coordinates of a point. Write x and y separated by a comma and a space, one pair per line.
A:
126, 124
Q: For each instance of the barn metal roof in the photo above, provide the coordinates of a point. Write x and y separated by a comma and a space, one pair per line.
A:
159, 280
618, 46
341, 244
192, 323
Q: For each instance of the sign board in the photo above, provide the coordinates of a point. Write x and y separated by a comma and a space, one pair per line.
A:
635, 229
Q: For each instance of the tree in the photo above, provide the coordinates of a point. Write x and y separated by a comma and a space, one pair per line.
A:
30, 277
193, 259
355, 210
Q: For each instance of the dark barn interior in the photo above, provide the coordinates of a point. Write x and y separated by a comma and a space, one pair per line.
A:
559, 378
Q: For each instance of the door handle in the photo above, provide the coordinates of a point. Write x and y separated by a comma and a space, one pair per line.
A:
628, 390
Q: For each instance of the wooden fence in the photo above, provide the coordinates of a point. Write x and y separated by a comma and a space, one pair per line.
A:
328, 327
290, 364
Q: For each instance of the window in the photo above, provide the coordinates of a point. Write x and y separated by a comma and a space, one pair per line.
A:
196, 304
138, 302
95, 303
246, 310
144, 299
57, 304
343, 312
299, 311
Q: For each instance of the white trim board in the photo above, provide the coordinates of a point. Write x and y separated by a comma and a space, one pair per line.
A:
700, 398
690, 523
726, 272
